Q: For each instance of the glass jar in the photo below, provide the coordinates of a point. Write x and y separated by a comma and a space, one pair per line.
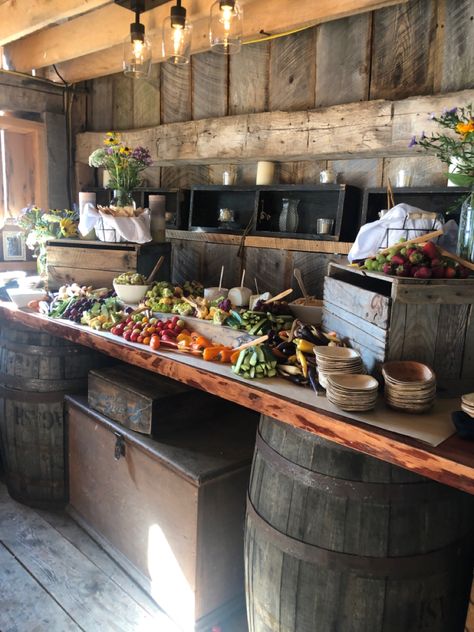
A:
288, 219
465, 247
123, 199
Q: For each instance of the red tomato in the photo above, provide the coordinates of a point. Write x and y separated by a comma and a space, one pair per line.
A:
134, 335
127, 334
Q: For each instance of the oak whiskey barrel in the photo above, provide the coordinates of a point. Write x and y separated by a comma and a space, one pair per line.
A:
36, 371
337, 541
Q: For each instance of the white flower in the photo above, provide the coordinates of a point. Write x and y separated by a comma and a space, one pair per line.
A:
96, 159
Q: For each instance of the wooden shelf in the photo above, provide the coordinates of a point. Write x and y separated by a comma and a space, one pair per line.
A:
451, 463
253, 241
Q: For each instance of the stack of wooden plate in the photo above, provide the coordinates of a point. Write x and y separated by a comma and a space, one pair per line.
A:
467, 404
352, 392
332, 360
409, 386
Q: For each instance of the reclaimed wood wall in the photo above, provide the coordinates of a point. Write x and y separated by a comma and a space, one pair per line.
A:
420, 48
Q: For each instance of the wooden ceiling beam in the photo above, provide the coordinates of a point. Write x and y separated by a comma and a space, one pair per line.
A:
261, 16
19, 19
102, 29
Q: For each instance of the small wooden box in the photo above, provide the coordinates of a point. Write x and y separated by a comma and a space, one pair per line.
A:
147, 403
391, 318
97, 263
171, 512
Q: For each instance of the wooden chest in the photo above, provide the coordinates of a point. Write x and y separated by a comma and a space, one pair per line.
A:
389, 318
146, 402
170, 511
97, 263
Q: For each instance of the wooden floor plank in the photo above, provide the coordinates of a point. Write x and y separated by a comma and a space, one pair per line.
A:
75, 535
93, 600
25, 606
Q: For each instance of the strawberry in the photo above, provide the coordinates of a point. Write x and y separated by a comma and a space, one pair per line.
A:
423, 272
449, 272
416, 258
398, 260
462, 272
387, 268
430, 250
437, 272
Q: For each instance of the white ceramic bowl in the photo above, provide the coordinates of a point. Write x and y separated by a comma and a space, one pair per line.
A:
131, 294
310, 314
22, 297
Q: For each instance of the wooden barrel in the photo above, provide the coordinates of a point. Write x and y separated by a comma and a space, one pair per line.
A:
340, 542
36, 371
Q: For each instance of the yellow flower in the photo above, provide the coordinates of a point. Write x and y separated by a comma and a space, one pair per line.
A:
111, 139
68, 227
465, 128
125, 151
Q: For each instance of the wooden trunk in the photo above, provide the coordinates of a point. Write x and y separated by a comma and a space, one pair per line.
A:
338, 541
97, 263
148, 403
390, 318
36, 372
170, 511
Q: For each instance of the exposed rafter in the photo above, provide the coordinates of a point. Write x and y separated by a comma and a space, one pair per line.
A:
91, 45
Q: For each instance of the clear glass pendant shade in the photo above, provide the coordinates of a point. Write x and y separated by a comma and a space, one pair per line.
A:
176, 42
225, 27
137, 57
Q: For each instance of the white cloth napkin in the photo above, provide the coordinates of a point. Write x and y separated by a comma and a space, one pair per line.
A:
115, 229
374, 235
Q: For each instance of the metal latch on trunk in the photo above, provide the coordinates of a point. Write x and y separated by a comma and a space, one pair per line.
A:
119, 446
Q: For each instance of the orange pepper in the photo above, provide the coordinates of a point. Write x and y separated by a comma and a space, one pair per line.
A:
183, 336
211, 353
227, 354
234, 357
203, 342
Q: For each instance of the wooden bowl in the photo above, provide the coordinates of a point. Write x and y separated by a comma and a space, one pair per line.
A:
407, 371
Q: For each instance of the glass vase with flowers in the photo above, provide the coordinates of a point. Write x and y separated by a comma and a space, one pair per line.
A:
123, 165
456, 149
42, 226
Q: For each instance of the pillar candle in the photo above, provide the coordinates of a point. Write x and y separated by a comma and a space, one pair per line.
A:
265, 172
157, 206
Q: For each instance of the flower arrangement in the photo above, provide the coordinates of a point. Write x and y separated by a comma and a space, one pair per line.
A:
123, 164
457, 147
41, 226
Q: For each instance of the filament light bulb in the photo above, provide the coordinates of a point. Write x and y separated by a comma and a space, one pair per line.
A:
225, 26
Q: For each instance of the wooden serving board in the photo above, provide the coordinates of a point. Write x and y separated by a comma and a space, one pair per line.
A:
220, 334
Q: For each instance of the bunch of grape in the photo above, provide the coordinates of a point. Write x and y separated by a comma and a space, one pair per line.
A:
277, 308
77, 308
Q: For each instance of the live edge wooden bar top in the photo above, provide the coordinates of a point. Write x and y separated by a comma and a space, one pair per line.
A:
451, 463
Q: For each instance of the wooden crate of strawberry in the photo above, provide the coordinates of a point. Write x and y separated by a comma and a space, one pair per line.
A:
389, 317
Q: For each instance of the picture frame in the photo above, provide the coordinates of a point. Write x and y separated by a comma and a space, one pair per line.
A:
14, 246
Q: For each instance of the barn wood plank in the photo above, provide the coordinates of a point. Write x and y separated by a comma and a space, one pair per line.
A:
291, 82
371, 306
175, 93
123, 101
42, 610
146, 99
451, 463
209, 85
381, 128
402, 50
73, 581
248, 79
450, 343
456, 50
100, 105
365, 332
342, 60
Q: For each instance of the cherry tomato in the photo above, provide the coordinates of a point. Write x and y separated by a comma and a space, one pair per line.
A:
127, 334
146, 340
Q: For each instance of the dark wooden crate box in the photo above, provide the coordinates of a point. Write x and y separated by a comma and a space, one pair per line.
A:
171, 512
389, 318
97, 263
444, 200
148, 403
207, 200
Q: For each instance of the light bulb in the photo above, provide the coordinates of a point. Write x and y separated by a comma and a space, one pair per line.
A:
137, 52
177, 36
225, 26
138, 47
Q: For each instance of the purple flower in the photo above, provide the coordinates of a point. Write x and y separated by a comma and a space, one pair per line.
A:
141, 154
110, 150
413, 142
452, 111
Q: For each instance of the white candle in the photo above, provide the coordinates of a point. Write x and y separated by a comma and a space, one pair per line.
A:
265, 172
105, 178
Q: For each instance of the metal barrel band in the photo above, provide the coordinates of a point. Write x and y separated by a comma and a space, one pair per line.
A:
359, 490
415, 566
20, 347
37, 385
37, 397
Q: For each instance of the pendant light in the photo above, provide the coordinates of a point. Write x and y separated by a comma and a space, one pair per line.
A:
137, 47
177, 36
225, 27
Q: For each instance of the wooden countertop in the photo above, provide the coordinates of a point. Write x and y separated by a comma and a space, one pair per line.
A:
451, 463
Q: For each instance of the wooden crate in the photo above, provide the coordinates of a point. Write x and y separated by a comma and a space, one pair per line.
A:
97, 263
390, 318
146, 402
171, 512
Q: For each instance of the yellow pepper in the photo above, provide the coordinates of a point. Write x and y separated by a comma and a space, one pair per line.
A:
304, 345
302, 360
